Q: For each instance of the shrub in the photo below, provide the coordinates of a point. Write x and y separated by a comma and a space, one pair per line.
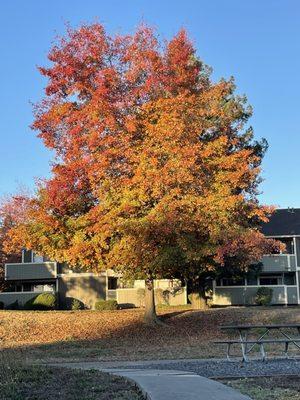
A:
106, 305
263, 296
77, 305
43, 301
1, 305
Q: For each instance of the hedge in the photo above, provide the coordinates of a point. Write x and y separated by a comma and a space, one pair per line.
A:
43, 301
101, 305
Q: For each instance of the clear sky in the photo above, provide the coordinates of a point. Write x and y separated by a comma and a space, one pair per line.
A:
257, 41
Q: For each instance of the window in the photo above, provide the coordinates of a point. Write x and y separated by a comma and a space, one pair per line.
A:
27, 287
289, 278
18, 288
27, 256
37, 258
270, 280
231, 282
112, 283
43, 287
252, 280
289, 246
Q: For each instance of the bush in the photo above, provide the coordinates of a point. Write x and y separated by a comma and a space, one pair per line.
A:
43, 301
77, 305
1, 305
263, 296
106, 305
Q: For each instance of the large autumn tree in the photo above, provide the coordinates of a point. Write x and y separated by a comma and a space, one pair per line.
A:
156, 171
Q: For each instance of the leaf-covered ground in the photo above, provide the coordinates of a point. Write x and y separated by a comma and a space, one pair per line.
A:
121, 335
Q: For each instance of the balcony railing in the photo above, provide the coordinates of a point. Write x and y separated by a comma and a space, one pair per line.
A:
33, 271
279, 263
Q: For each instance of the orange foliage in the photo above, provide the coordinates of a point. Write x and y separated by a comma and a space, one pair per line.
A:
155, 167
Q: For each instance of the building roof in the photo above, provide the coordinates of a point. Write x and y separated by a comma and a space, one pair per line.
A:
283, 222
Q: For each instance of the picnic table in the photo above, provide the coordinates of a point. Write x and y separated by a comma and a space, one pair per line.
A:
262, 337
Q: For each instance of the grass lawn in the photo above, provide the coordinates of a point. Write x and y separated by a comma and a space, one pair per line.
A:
121, 334
36, 383
271, 388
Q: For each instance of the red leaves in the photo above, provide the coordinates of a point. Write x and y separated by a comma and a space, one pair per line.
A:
248, 248
183, 68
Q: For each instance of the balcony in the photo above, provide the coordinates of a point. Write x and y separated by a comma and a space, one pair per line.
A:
32, 271
279, 263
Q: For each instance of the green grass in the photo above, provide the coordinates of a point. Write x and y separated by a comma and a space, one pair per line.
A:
18, 382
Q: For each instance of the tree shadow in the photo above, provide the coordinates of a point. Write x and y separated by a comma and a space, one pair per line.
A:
121, 335
166, 317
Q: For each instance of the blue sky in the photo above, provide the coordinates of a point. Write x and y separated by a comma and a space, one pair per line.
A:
257, 41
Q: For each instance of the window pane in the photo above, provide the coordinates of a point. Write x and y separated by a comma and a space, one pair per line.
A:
289, 278
233, 281
112, 283
27, 256
289, 245
27, 287
270, 280
49, 287
37, 258
252, 281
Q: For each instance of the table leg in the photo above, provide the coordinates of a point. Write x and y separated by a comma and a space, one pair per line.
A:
288, 337
261, 337
243, 346
262, 350
286, 347
228, 351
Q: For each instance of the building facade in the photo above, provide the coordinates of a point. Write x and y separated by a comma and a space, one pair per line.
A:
36, 274
280, 272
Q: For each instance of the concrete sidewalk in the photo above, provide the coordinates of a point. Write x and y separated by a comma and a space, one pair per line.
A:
169, 384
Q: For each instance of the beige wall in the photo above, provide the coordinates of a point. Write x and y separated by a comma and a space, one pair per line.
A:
164, 294
87, 288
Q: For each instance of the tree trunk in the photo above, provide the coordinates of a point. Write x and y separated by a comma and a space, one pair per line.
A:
150, 316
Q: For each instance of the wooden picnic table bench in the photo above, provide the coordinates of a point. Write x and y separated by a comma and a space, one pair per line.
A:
248, 345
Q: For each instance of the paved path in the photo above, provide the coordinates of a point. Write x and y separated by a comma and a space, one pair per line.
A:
169, 384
